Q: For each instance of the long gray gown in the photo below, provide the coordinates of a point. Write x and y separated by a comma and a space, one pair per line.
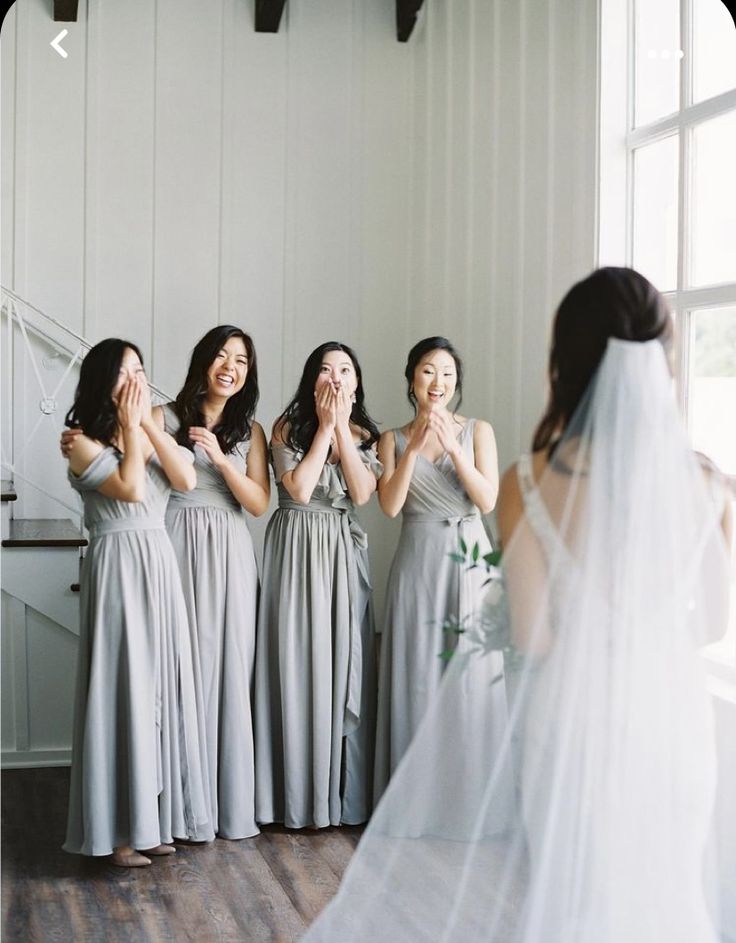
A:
137, 776
315, 658
425, 588
217, 562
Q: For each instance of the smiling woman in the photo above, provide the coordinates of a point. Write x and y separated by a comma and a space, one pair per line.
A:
213, 416
441, 472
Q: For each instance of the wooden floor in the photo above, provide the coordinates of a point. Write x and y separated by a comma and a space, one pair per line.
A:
265, 889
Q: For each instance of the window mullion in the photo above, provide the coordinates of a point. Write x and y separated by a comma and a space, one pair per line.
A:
684, 315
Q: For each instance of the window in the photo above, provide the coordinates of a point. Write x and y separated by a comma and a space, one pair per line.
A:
668, 197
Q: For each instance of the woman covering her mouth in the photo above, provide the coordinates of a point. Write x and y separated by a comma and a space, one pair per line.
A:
315, 672
441, 472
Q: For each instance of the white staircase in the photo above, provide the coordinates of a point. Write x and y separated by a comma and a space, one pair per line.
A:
43, 537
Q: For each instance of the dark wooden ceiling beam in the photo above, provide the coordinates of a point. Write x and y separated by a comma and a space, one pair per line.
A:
65, 11
268, 15
406, 16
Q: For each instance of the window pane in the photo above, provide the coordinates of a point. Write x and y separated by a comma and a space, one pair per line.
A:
712, 385
712, 401
714, 202
655, 212
714, 49
724, 650
657, 59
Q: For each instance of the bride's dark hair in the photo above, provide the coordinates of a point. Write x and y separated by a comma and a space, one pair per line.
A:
237, 415
611, 302
301, 415
93, 410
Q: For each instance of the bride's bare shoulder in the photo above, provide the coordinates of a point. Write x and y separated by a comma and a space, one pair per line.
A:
722, 490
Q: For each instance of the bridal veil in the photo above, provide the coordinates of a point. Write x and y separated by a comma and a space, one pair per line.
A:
591, 823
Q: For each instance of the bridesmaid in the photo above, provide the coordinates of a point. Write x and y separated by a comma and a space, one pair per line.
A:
136, 780
315, 674
213, 415
441, 472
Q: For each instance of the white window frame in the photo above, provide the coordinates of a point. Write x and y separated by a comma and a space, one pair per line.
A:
618, 139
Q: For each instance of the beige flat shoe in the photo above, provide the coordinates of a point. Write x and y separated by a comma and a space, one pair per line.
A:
129, 859
160, 850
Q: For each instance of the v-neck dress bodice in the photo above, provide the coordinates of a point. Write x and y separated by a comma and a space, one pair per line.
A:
426, 589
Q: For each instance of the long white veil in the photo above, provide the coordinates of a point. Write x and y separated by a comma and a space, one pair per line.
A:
614, 579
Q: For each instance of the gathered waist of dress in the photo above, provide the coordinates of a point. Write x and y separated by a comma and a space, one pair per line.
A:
123, 524
204, 498
419, 517
320, 505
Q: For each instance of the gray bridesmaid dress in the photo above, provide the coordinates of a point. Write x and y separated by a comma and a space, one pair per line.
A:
137, 776
315, 658
217, 562
425, 588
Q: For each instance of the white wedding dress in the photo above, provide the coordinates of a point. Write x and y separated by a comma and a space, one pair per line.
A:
615, 577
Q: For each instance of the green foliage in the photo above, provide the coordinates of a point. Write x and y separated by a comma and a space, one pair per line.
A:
490, 629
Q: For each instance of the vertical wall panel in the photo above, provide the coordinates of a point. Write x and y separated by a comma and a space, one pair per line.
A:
325, 181
7, 222
388, 113
187, 179
120, 172
319, 165
253, 194
51, 696
8, 144
512, 158
503, 173
484, 225
50, 163
534, 292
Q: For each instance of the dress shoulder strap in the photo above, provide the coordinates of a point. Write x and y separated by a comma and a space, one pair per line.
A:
171, 420
399, 442
525, 475
536, 511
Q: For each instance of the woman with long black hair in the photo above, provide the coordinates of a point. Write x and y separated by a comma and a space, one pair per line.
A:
315, 673
136, 782
213, 415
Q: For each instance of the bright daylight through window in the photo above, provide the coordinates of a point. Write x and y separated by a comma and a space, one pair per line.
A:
676, 95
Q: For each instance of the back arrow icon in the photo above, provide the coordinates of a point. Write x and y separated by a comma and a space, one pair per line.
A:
56, 44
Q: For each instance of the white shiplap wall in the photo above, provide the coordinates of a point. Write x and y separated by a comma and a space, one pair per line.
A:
179, 169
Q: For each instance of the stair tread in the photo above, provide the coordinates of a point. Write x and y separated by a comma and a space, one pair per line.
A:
8, 490
44, 532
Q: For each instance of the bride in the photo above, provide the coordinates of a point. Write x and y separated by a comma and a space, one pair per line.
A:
615, 574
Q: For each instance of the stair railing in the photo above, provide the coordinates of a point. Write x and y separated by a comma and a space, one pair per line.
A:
26, 330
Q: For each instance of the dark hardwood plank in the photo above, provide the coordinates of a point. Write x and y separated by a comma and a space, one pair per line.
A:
265, 889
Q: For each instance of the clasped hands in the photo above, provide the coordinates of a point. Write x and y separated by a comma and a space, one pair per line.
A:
434, 421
